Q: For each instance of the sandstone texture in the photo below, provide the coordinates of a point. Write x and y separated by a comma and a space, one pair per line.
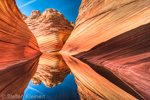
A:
51, 29
19, 52
24, 17
16, 40
51, 70
110, 37
101, 20
115, 34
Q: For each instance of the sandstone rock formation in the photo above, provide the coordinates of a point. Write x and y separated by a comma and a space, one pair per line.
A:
19, 52
24, 17
51, 70
101, 20
115, 34
130, 62
72, 24
16, 40
51, 29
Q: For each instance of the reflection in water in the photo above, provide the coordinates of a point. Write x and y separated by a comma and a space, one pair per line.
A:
15, 79
93, 82
67, 90
93, 86
51, 70
112, 78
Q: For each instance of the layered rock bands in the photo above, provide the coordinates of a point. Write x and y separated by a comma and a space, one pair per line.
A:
114, 34
19, 52
111, 36
51, 29
16, 40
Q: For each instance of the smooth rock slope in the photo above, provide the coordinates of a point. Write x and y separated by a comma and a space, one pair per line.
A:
115, 34
16, 40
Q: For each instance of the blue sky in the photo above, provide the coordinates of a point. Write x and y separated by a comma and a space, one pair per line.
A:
68, 7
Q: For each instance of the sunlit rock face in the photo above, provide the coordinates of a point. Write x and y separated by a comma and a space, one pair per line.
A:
101, 20
51, 29
34, 16
72, 24
19, 52
15, 79
130, 62
115, 34
24, 17
16, 40
51, 70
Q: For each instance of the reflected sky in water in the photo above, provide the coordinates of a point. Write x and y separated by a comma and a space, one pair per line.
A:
51, 80
67, 90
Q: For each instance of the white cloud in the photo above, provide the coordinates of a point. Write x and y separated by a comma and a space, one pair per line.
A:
27, 3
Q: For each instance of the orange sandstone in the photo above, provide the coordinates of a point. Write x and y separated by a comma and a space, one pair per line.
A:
51, 29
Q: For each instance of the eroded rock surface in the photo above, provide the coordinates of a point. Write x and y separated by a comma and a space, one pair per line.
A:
16, 40
51, 29
101, 20
24, 17
115, 34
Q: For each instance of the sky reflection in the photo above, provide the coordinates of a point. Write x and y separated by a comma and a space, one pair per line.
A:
67, 90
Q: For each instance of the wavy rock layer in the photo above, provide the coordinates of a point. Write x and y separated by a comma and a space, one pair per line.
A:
115, 34
51, 70
51, 29
16, 40
130, 62
101, 20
